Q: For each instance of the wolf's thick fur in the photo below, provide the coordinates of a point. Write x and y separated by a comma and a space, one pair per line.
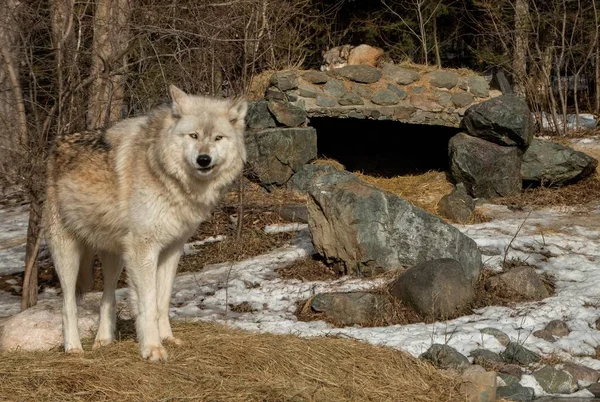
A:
341, 56
134, 194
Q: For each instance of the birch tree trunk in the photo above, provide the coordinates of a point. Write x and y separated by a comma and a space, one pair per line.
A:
519, 64
111, 36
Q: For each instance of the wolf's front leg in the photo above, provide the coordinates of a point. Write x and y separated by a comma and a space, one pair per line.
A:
167, 268
141, 259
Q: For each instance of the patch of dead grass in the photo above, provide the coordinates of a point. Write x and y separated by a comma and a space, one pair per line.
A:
308, 270
221, 364
583, 192
423, 190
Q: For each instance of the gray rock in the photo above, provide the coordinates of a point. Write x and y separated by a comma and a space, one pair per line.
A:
504, 120
511, 369
370, 230
523, 281
485, 356
258, 116
516, 392
287, 114
326, 101
417, 90
294, 212
557, 328
275, 94
515, 353
423, 102
309, 90
275, 154
360, 73
555, 381
496, 333
350, 98
354, 308
582, 375
545, 335
478, 86
385, 97
436, 288
443, 79
285, 80
304, 176
444, 99
458, 206
594, 389
400, 75
401, 93
445, 357
363, 90
462, 99
549, 164
355, 115
488, 170
509, 379
478, 386
315, 77
335, 88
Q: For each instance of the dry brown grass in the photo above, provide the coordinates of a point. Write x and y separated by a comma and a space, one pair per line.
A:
424, 190
583, 192
221, 364
308, 270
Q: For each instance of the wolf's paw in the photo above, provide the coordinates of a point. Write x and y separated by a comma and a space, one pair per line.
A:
173, 340
154, 353
98, 343
73, 350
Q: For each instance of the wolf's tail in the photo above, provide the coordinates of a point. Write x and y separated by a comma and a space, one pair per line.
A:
85, 277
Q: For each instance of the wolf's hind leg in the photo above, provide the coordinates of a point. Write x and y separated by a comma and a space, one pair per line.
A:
66, 254
112, 266
167, 268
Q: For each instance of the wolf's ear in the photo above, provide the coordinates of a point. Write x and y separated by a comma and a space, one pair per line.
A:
179, 98
237, 112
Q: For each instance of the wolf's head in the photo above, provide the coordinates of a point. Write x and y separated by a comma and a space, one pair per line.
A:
207, 133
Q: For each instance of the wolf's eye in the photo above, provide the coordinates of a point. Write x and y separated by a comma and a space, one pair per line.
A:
194, 135
218, 138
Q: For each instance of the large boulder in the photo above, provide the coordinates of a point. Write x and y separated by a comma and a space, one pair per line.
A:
287, 114
40, 327
487, 170
504, 120
274, 155
445, 357
437, 288
258, 116
550, 164
458, 206
369, 230
523, 281
352, 308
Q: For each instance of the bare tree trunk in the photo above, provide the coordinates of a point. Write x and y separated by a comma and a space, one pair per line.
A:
29, 296
597, 79
111, 36
436, 45
519, 64
13, 128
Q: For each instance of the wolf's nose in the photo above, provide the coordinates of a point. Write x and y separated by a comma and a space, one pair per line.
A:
203, 160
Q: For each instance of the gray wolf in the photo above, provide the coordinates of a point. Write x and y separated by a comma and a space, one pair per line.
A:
133, 194
341, 56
